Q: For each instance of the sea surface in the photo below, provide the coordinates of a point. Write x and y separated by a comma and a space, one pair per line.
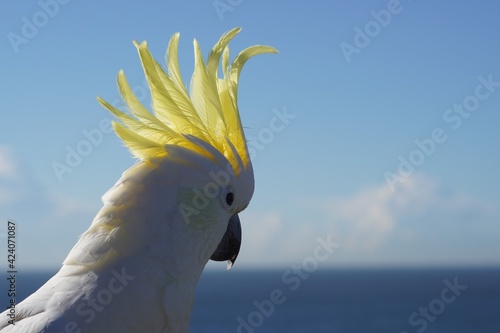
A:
341, 300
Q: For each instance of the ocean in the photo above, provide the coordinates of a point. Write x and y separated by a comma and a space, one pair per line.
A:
341, 300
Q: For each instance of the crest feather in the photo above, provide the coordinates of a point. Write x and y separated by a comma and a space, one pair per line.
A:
209, 112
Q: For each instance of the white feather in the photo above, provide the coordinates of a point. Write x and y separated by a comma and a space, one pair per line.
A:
136, 267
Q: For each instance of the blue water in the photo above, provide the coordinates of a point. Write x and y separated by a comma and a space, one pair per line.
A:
385, 301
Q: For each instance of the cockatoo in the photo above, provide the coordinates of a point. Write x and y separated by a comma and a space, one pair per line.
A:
135, 269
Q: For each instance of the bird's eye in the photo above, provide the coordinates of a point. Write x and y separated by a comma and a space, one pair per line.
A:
230, 198
227, 197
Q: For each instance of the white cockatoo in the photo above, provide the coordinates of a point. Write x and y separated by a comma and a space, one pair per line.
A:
135, 269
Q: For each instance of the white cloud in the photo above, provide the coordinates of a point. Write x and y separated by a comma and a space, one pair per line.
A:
64, 207
8, 168
44, 215
419, 223
260, 231
11, 187
366, 218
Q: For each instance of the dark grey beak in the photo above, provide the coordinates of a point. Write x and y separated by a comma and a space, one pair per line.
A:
229, 246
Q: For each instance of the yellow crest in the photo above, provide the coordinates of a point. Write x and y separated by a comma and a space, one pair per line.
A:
209, 112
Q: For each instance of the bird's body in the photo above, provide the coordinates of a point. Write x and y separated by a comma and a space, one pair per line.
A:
135, 269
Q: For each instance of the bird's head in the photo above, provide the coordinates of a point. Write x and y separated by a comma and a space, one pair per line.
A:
200, 131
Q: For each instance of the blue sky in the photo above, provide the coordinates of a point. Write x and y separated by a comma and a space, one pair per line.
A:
390, 148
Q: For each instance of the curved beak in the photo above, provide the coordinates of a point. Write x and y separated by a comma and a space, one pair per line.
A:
229, 246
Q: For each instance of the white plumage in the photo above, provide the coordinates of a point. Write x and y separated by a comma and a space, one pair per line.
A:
136, 267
